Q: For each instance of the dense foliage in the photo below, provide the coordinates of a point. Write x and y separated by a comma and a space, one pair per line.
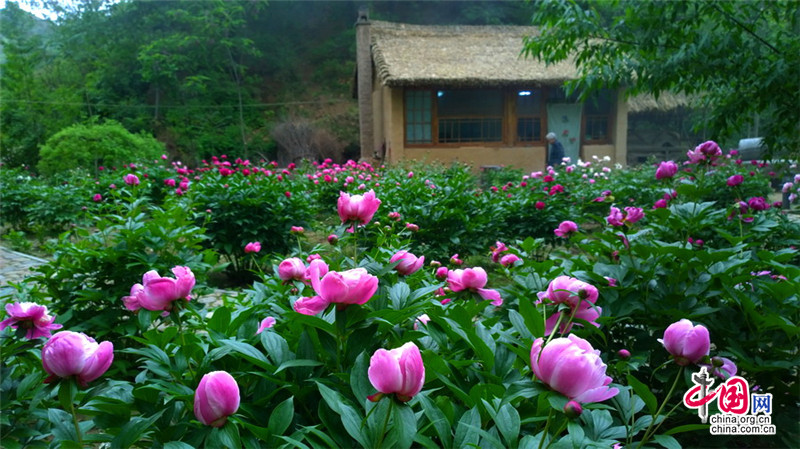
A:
641, 249
712, 51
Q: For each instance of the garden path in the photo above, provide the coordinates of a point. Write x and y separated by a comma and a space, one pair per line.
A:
16, 267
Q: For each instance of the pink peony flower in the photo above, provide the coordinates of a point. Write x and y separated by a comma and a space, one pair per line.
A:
615, 217
735, 180
68, 354
441, 273
758, 203
422, 319
30, 316
354, 286
566, 228
572, 367
131, 179
539, 205
578, 295
297, 230
473, 279
407, 262
666, 170
660, 204
97, 198
573, 409
216, 398
292, 269
509, 260
266, 323
333, 238
159, 293
397, 371
633, 214
252, 247
687, 343
497, 250
359, 208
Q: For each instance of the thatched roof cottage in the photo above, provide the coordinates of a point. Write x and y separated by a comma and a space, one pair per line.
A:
466, 93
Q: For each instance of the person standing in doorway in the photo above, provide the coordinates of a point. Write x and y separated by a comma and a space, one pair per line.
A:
555, 151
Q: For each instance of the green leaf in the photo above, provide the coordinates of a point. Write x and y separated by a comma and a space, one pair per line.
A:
67, 390
359, 380
643, 392
508, 423
220, 320
667, 441
248, 351
352, 421
331, 397
467, 429
133, 430
177, 445
404, 425
687, 428
398, 295
437, 418
298, 362
276, 346
281, 417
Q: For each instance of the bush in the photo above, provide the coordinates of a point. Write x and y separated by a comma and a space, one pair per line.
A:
93, 145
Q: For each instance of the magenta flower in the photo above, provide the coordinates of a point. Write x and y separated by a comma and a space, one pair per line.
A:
497, 250
615, 217
333, 238
30, 316
666, 169
735, 180
354, 286
97, 198
422, 319
399, 371
633, 214
131, 179
758, 203
473, 279
573, 409
660, 204
297, 230
266, 323
216, 398
566, 228
687, 343
509, 260
412, 227
292, 269
252, 247
407, 262
572, 367
159, 293
359, 208
69, 354
578, 295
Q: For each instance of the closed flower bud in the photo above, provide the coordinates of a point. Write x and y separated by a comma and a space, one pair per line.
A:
216, 398
399, 371
573, 409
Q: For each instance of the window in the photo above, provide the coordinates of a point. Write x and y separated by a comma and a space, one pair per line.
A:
597, 117
530, 114
418, 116
464, 116
469, 115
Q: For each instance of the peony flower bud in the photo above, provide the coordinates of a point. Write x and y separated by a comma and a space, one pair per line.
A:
687, 343
69, 354
573, 409
216, 398
399, 371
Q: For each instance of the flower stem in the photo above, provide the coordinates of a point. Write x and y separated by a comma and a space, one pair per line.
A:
75, 423
650, 430
546, 426
385, 423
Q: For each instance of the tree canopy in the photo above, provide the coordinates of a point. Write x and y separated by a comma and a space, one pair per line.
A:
740, 60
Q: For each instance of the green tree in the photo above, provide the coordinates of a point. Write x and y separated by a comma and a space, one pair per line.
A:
740, 59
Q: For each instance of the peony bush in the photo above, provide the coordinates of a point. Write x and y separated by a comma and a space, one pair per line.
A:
404, 306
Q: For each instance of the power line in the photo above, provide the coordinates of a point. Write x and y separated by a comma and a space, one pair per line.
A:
142, 106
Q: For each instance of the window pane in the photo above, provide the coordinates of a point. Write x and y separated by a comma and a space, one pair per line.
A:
461, 103
529, 129
529, 102
418, 116
601, 103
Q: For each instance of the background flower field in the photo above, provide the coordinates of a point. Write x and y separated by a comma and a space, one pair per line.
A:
587, 259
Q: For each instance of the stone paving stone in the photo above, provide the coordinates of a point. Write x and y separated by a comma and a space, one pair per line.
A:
16, 267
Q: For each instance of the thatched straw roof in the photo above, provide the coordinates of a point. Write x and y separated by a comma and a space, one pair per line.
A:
666, 101
459, 56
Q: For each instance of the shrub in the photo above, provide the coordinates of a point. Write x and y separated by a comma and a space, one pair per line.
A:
93, 145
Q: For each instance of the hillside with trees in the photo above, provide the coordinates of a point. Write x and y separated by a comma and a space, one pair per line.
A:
203, 77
